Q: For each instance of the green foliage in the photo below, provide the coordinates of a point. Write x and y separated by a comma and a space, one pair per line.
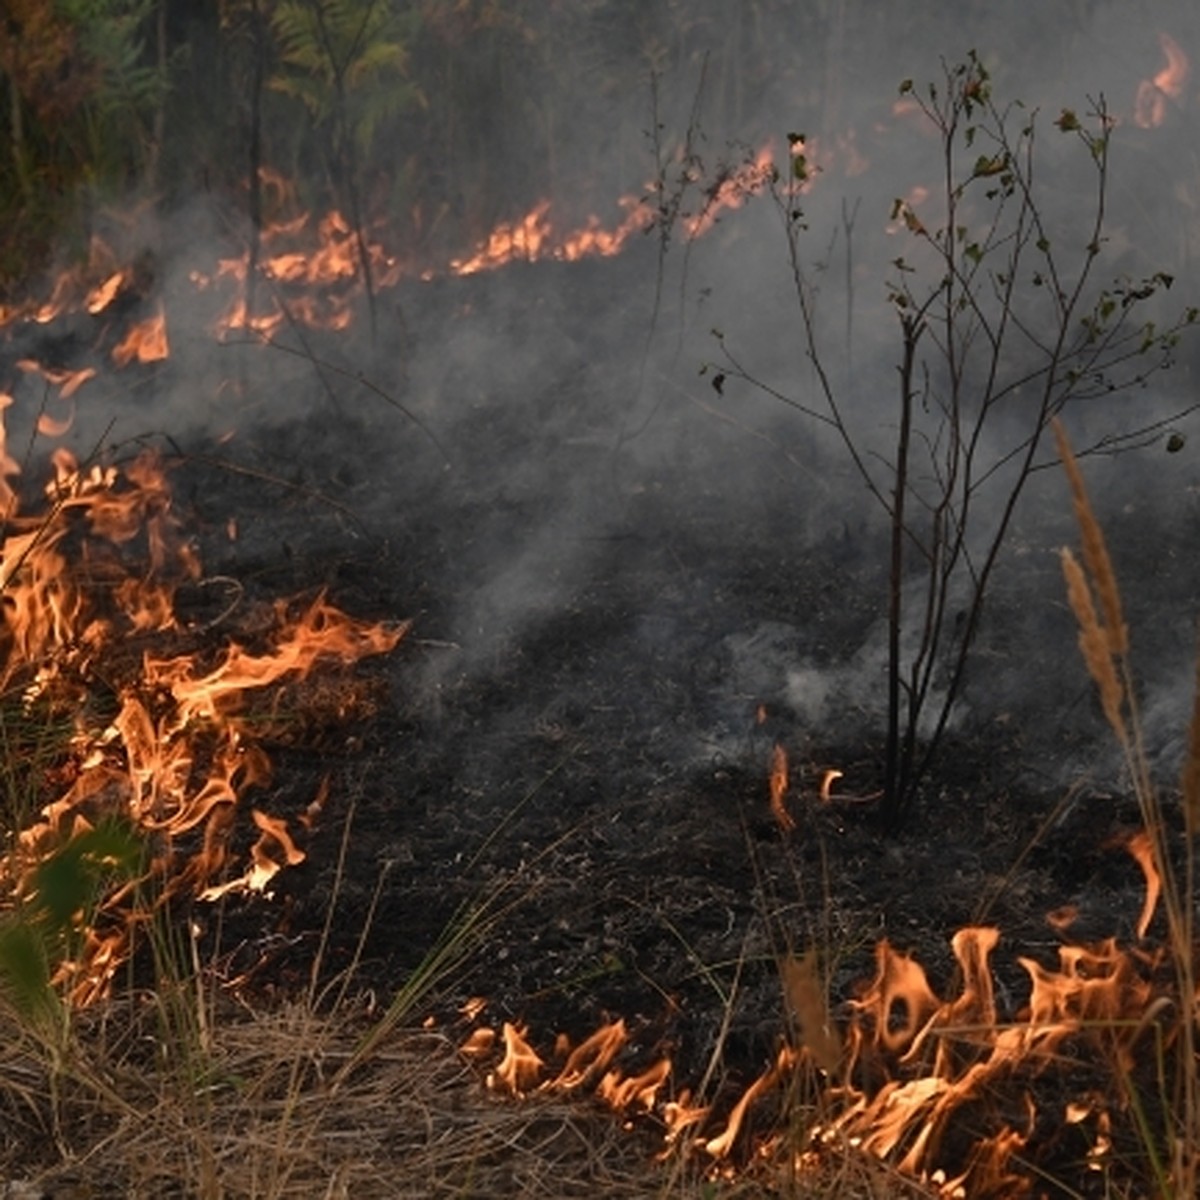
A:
112, 36
346, 62
64, 893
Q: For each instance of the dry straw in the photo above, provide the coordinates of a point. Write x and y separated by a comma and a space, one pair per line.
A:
1095, 552
1191, 765
1102, 644
1094, 644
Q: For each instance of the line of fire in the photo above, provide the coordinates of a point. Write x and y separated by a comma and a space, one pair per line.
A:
536, 721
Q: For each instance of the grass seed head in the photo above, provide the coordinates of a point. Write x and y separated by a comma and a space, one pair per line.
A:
1094, 644
1095, 550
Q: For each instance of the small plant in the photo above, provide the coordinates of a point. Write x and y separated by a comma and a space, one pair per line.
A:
1002, 326
40, 941
335, 55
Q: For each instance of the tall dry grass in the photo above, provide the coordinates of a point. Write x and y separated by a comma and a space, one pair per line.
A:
1173, 1152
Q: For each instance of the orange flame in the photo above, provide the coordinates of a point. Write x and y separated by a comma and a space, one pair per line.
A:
532, 238
591, 1056
1150, 106
146, 342
177, 756
732, 190
521, 1067
778, 787
1142, 849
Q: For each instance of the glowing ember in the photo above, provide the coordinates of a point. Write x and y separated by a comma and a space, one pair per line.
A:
828, 778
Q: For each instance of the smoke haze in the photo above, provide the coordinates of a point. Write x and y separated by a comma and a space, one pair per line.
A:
547, 426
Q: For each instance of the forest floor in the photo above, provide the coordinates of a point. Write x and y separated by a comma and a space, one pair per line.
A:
572, 745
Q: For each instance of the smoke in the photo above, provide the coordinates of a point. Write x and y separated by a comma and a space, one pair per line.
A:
576, 403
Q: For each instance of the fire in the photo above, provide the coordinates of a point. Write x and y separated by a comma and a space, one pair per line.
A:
146, 342
910, 1070
310, 274
587, 1066
521, 1066
165, 723
1141, 848
532, 238
829, 777
90, 286
1151, 105
778, 789
734, 187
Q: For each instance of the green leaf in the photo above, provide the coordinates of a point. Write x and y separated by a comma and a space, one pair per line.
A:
985, 166
25, 970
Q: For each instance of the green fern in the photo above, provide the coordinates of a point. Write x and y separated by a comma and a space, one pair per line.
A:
346, 62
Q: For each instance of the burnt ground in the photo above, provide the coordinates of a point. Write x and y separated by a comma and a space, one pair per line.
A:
571, 728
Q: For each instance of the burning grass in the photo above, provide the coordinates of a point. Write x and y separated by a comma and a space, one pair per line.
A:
140, 701
279, 1102
184, 1077
133, 733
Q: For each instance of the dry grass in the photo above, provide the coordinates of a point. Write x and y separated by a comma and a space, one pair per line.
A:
182, 1091
1172, 1154
262, 1114
265, 1119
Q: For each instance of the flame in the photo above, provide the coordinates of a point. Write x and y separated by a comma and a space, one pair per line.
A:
100, 297
83, 582
722, 1145
146, 342
641, 1090
480, 1043
591, 1056
532, 238
733, 188
89, 286
312, 276
1150, 106
1142, 849
587, 1066
310, 271
520, 1068
778, 788
828, 778
909, 1069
